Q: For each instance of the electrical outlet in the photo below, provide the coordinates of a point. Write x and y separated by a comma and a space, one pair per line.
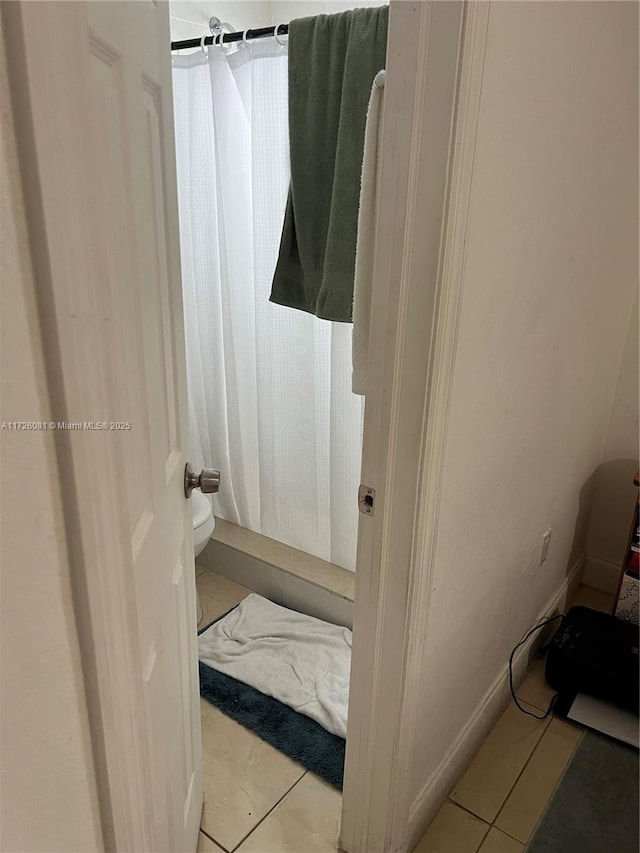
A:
544, 546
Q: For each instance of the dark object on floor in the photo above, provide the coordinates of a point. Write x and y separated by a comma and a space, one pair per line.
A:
595, 807
299, 737
597, 654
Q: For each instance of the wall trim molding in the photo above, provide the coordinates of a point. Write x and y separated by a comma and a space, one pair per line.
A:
436, 415
484, 716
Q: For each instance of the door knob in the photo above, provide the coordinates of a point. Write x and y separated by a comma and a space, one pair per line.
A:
208, 480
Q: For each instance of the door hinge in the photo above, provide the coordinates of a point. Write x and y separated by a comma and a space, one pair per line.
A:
367, 500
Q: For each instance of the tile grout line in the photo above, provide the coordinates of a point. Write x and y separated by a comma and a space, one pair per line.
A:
512, 837
266, 815
533, 704
475, 816
484, 838
491, 823
489, 826
468, 811
273, 808
217, 843
555, 788
524, 767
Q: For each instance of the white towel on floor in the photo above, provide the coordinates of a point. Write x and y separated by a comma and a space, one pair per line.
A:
366, 239
299, 660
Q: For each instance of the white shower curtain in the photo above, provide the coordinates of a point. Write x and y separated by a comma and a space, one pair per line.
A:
269, 387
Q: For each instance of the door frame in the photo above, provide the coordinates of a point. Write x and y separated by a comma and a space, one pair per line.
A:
432, 95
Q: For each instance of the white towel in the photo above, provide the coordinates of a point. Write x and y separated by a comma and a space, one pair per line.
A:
299, 660
366, 239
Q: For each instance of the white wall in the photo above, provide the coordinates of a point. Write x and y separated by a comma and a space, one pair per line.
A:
615, 495
548, 288
47, 792
283, 11
190, 18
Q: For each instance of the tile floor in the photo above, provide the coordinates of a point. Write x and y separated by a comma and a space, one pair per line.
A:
256, 800
497, 803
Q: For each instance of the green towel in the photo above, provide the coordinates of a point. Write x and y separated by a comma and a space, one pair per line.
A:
332, 62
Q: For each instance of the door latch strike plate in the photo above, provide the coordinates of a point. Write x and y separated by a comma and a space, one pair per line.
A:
367, 500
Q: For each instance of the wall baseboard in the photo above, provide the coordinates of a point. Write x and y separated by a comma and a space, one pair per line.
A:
483, 718
601, 574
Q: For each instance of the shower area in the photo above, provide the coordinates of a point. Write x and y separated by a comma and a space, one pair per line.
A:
270, 399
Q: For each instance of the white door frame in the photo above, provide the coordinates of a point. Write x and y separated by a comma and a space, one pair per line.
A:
432, 93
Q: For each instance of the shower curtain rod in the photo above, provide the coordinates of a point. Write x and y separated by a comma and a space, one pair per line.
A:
228, 38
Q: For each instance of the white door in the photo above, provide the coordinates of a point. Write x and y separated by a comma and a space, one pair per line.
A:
95, 128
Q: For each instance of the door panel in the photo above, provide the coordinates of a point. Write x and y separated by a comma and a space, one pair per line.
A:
98, 117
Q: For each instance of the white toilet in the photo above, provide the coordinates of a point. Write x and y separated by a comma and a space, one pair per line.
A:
203, 526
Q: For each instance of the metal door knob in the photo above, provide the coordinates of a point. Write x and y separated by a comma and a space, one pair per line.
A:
208, 480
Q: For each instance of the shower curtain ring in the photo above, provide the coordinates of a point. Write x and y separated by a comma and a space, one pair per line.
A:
245, 41
226, 49
277, 37
204, 52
